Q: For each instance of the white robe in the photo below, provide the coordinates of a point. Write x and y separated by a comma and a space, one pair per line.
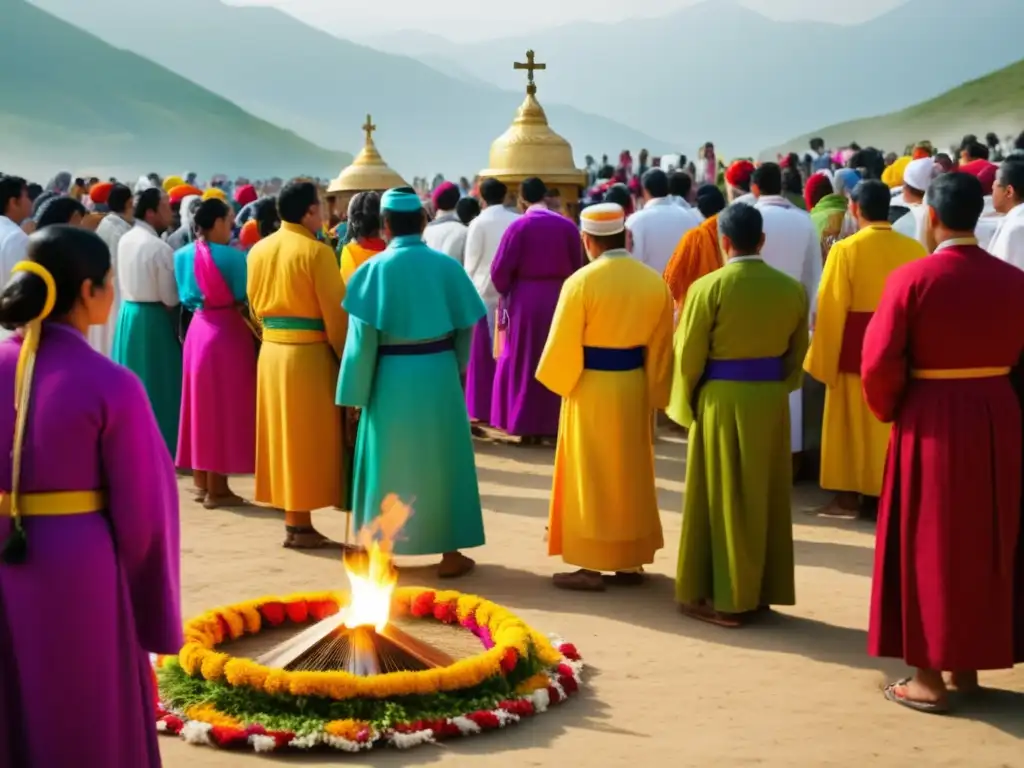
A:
110, 231
448, 235
13, 248
656, 231
1008, 241
792, 246
145, 267
482, 241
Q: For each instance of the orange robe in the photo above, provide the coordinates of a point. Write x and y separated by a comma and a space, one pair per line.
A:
352, 257
697, 254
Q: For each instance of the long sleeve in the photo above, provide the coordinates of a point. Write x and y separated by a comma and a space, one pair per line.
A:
883, 366
792, 361
330, 292
811, 275
506, 261
463, 343
658, 363
358, 365
167, 285
143, 506
561, 362
459, 245
822, 360
639, 247
473, 254
692, 346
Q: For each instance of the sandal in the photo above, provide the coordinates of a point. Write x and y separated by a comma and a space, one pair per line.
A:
579, 581
229, 501
625, 578
455, 566
928, 707
307, 537
706, 613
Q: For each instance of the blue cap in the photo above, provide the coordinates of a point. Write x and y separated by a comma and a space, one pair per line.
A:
400, 201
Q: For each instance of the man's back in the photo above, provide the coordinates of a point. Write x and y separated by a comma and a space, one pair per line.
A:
963, 309
791, 243
482, 240
1008, 242
657, 229
865, 260
540, 245
145, 267
447, 235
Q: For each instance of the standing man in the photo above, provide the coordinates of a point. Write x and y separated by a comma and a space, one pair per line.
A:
295, 293
538, 252
791, 246
609, 357
743, 338
15, 208
737, 182
115, 225
146, 336
446, 233
916, 179
402, 368
656, 230
680, 191
482, 241
1008, 199
936, 360
854, 442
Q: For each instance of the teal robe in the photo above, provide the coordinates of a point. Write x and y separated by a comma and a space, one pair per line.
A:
414, 437
736, 545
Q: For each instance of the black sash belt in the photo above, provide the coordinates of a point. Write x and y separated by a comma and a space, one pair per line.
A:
446, 344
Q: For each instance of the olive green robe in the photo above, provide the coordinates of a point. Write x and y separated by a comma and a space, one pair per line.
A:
736, 546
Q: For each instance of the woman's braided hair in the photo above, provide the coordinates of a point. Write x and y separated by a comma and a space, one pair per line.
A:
363, 216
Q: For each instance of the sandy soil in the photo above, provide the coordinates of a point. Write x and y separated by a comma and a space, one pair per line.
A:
796, 690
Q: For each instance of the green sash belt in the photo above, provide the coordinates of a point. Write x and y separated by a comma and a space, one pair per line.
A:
293, 324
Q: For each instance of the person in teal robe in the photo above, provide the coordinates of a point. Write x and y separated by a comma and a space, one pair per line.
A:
739, 353
411, 315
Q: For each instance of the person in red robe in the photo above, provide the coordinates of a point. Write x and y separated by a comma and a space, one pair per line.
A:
936, 362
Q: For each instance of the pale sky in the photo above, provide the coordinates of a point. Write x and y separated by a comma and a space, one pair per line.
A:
471, 20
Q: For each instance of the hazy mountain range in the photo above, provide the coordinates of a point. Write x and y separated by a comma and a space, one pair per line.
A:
991, 103
322, 87
70, 101
719, 71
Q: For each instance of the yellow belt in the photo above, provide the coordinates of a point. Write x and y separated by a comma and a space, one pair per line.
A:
293, 336
54, 504
959, 373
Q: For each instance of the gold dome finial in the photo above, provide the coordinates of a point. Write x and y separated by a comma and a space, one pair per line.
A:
529, 147
368, 171
530, 66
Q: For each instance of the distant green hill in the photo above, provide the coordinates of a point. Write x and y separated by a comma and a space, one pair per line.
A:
69, 101
991, 103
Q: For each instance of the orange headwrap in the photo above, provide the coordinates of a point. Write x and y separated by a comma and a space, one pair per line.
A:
180, 192
100, 193
250, 234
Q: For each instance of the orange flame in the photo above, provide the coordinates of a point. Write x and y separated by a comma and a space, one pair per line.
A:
371, 573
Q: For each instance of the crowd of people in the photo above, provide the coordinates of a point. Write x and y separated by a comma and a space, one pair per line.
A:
233, 330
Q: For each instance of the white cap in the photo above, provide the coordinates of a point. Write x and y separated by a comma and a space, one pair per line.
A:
603, 219
919, 174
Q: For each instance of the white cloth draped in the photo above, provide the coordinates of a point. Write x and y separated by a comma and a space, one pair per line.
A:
110, 231
657, 230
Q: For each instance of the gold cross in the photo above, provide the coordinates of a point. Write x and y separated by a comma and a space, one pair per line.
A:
530, 66
369, 127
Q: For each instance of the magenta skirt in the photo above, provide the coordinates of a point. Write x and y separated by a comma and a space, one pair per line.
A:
218, 395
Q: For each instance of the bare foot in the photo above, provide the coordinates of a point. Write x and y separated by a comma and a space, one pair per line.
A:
845, 506
455, 565
297, 537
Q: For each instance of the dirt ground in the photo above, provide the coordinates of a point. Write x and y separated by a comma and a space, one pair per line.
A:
795, 690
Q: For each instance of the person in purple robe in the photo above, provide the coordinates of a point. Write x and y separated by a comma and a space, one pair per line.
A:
89, 570
538, 252
217, 429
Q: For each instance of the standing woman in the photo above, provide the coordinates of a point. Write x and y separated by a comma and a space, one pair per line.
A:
364, 240
217, 432
88, 524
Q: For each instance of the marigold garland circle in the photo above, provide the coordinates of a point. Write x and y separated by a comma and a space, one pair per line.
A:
209, 697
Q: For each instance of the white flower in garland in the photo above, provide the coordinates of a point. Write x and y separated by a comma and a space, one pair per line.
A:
466, 726
306, 741
195, 732
410, 740
541, 700
262, 743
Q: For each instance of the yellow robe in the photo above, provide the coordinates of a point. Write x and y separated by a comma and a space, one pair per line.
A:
352, 257
853, 441
298, 427
604, 507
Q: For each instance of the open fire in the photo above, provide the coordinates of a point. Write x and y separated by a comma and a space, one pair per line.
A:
360, 638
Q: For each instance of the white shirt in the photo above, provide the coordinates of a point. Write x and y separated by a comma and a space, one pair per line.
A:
791, 243
913, 223
110, 231
13, 248
482, 241
748, 199
657, 230
145, 267
448, 235
1008, 241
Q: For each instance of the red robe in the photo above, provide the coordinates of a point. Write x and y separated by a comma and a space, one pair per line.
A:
944, 594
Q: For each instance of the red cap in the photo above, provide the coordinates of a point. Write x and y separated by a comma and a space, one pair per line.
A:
739, 174
441, 188
100, 193
246, 194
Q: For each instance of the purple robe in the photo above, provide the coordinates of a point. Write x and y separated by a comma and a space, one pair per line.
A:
98, 591
537, 253
480, 373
